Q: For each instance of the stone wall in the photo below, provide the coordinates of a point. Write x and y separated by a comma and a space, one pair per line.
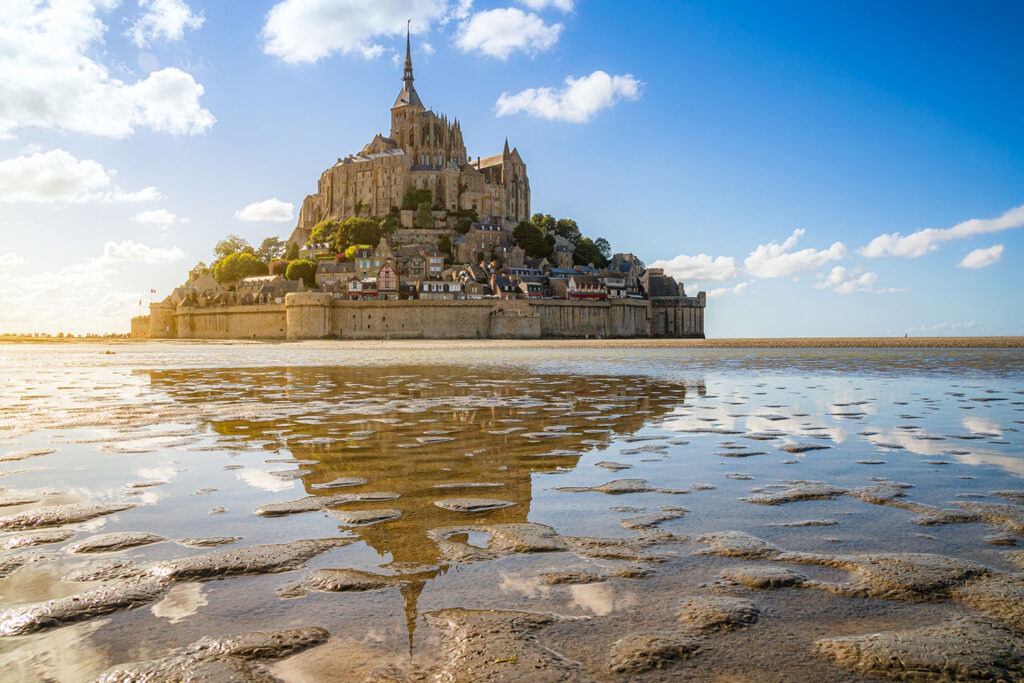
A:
417, 319
315, 315
618, 318
233, 322
140, 327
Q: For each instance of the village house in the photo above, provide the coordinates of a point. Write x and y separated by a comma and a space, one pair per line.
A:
330, 274
387, 282
438, 290
587, 287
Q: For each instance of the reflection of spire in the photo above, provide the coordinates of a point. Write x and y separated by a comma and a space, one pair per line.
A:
411, 593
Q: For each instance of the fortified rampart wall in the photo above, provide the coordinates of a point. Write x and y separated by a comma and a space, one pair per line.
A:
233, 322
314, 315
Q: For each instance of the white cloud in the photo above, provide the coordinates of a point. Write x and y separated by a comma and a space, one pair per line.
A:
161, 217
308, 30
11, 260
49, 81
133, 252
945, 325
979, 258
847, 281
272, 210
538, 5
57, 176
500, 32
723, 291
776, 260
163, 20
923, 241
81, 297
700, 267
576, 103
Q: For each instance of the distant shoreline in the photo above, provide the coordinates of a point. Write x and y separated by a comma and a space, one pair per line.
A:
645, 343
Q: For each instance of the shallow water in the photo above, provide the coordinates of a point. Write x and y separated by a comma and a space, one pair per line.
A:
434, 468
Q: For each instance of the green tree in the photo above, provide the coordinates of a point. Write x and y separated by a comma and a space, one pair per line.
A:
302, 269
588, 252
444, 245
390, 223
424, 217
543, 221
293, 251
324, 232
567, 228
414, 197
237, 266
232, 244
200, 268
270, 249
357, 231
532, 239
463, 225
605, 247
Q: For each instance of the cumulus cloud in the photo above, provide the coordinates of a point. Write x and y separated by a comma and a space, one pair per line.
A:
133, 252
538, 5
979, 258
776, 260
161, 217
269, 210
51, 81
927, 240
87, 296
300, 31
847, 281
11, 260
500, 32
577, 102
725, 291
162, 20
699, 268
57, 176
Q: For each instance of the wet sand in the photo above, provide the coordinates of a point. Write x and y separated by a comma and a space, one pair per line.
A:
336, 511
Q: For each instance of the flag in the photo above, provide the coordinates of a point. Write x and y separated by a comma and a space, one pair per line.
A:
152, 291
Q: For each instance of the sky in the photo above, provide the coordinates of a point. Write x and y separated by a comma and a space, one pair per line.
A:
847, 168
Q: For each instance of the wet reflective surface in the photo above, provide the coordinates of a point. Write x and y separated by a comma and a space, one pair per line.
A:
496, 513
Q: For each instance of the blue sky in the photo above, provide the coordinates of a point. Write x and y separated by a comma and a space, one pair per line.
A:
821, 169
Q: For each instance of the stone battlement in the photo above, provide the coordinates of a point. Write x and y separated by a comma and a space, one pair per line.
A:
315, 315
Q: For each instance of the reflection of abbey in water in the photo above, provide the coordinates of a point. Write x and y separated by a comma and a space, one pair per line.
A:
427, 434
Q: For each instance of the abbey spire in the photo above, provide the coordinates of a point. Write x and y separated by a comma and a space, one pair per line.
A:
407, 77
408, 95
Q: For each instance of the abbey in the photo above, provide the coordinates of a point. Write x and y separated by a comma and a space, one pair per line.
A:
424, 151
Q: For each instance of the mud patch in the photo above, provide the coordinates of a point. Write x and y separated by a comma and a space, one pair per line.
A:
364, 517
472, 504
641, 652
227, 658
106, 543
57, 515
498, 645
962, 649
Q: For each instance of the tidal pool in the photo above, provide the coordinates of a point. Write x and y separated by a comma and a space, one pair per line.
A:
411, 512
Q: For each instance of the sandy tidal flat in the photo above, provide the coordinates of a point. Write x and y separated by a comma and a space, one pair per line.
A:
595, 511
